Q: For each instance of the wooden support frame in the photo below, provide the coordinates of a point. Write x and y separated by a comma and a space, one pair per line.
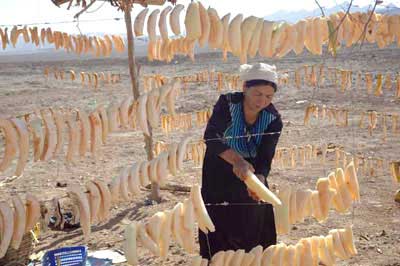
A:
134, 71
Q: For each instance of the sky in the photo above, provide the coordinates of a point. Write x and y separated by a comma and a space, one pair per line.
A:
34, 11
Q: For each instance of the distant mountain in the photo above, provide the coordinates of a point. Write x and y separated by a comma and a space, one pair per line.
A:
294, 16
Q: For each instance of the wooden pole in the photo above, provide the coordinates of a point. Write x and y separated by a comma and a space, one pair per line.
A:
134, 73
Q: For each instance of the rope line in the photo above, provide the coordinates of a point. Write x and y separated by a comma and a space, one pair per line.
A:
62, 22
243, 136
236, 204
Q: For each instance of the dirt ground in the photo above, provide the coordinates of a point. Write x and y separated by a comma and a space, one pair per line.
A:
376, 219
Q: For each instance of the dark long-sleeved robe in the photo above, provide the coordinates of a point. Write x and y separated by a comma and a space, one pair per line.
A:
244, 224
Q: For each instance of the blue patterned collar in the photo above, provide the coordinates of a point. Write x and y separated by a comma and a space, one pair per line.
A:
238, 130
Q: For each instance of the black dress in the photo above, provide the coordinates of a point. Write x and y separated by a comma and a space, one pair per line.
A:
238, 226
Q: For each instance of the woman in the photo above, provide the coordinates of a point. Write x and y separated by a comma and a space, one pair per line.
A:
243, 224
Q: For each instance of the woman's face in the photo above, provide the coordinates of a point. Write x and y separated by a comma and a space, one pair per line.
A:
258, 97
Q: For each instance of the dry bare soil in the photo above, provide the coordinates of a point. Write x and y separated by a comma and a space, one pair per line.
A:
376, 219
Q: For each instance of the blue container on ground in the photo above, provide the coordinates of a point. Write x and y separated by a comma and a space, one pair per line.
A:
67, 256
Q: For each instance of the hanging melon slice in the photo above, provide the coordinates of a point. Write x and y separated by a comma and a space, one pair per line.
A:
216, 36
301, 27
225, 40
247, 28
235, 35
266, 39
193, 22
255, 38
205, 25
352, 181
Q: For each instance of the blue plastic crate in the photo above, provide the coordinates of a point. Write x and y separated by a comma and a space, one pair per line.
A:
67, 256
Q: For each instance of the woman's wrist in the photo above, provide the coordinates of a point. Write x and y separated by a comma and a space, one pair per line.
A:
232, 157
238, 159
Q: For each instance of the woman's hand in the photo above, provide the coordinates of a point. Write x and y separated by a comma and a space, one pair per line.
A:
241, 167
253, 195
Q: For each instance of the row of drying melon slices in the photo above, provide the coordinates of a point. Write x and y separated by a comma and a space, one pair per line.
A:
95, 206
155, 170
183, 121
395, 171
202, 76
16, 222
339, 115
95, 203
153, 81
158, 231
372, 117
155, 235
312, 76
149, 104
223, 80
323, 111
176, 122
157, 80
284, 157
107, 78
287, 157
79, 44
382, 81
369, 81
310, 251
203, 116
362, 162
246, 37
45, 130
195, 150
339, 190
229, 81
299, 155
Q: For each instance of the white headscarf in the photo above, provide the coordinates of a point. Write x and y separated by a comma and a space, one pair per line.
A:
259, 71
